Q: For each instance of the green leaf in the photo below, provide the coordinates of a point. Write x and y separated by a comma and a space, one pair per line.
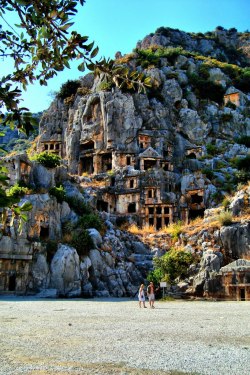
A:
81, 67
94, 52
66, 26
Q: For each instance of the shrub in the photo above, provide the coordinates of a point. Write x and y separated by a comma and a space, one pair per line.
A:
47, 159
243, 163
78, 205
173, 264
225, 218
17, 191
242, 176
58, 192
90, 221
211, 149
156, 276
226, 202
244, 140
208, 172
68, 88
174, 230
82, 242
206, 89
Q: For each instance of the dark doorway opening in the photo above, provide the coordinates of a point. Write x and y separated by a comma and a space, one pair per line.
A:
107, 162
131, 208
12, 283
242, 295
149, 164
191, 156
151, 210
166, 221
193, 214
86, 165
102, 205
195, 198
158, 223
151, 221
87, 146
44, 233
158, 210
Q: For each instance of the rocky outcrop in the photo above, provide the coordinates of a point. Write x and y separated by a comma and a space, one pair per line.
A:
235, 240
150, 158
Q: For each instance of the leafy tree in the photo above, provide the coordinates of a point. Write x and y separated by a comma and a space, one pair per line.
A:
40, 45
173, 264
43, 47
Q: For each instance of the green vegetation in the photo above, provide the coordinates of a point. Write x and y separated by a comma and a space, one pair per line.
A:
78, 205
225, 218
243, 166
82, 242
17, 191
173, 264
90, 221
47, 159
243, 163
105, 86
211, 149
59, 193
76, 234
156, 276
206, 89
208, 172
8, 203
175, 230
68, 88
152, 55
226, 202
243, 140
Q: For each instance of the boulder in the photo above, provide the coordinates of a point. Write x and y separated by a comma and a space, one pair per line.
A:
65, 271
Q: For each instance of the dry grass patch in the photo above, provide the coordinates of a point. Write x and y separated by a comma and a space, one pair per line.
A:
134, 229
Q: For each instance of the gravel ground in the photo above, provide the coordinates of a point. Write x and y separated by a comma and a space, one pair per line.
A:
115, 336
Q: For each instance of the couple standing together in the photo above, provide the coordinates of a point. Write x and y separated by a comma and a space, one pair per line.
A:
150, 294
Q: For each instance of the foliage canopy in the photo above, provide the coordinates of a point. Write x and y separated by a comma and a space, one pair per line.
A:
41, 45
173, 264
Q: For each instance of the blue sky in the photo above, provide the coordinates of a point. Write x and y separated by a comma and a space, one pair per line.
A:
117, 26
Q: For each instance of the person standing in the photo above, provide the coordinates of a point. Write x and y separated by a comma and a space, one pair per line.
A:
141, 296
151, 294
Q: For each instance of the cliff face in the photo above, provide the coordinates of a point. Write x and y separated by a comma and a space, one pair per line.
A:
151, 158
225, 45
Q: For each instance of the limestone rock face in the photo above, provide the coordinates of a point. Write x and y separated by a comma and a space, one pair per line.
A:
42, 177
40, 272
205, 281
65, 271
193, 126
236, 240
147, 158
